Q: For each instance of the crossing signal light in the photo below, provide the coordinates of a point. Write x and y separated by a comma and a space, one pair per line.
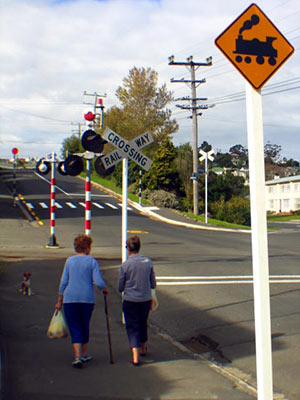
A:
73, 165
61, 168
42, 167
99, 168
91, 141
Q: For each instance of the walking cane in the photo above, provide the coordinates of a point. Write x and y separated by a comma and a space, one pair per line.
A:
108, 329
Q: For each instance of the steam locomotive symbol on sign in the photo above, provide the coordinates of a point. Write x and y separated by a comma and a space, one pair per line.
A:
254, 47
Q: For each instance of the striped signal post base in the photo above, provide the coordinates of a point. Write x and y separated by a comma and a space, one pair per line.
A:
88, 212
52, 240
15, 152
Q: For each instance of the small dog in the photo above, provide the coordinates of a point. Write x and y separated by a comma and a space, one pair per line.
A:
26, 285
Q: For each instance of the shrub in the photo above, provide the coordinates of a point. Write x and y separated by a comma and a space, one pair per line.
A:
162, 198
236, 210
146, 193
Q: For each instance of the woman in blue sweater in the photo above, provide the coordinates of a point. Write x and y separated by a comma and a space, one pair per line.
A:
77, 294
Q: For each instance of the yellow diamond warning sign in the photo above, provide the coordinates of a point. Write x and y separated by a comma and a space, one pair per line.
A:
254, 46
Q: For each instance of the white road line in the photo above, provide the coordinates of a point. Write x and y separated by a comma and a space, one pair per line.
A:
43, 205
30, 205
98, 205
82, 204
111, 206
57, 205
204, 277
128, 208
71, 205
47, 180
179, 283
224, 277
221, 280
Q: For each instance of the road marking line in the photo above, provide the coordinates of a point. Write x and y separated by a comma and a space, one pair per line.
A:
128, 208
30, 205
82, 204
43, 205
111, 206
98, 205
58, 205
47, 180
221, 280
137, 231
71, 205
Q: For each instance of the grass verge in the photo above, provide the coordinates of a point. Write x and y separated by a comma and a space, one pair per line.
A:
216, 222
112, 186
280, 218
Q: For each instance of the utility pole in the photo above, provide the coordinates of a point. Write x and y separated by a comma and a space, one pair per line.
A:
193, 84
97, 107
78, 130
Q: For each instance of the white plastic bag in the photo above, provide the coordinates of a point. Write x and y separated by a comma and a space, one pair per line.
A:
58, 328
154, 304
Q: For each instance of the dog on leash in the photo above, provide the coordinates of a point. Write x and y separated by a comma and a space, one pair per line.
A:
26, 284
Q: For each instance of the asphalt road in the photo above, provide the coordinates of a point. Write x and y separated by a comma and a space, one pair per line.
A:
204, 278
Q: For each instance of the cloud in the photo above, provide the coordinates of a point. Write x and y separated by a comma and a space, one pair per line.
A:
53, 51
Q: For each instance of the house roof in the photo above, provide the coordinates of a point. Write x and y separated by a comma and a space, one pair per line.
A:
287, 179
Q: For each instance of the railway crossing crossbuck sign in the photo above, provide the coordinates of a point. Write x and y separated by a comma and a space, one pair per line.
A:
254, 46
129, 149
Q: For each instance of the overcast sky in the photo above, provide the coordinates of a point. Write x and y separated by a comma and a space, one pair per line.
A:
52, 51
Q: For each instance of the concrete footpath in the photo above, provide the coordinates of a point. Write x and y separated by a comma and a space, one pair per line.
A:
34, 367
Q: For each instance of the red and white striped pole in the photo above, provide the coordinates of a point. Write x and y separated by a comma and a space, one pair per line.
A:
52, 240
88, 212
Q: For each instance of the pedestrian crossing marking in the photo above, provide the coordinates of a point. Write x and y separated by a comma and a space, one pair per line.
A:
98, 205
111, 206
128, 208
71, 205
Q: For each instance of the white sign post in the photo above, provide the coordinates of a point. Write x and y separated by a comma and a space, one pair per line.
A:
243, 54
207, 156
124, 150
124, 207
260, 260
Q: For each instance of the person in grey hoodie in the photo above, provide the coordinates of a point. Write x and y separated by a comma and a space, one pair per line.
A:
136, 279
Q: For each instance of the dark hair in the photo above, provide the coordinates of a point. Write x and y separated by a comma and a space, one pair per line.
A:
82, 243
133, 244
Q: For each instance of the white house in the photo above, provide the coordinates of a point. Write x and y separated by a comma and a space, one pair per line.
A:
283, 195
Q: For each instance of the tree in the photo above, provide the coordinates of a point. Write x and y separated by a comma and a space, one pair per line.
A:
289, 163
272, 152
242, 152
224, 186
163, 173
184, 165
71, 145
205, 146
239, 149
223, 160
143, 107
